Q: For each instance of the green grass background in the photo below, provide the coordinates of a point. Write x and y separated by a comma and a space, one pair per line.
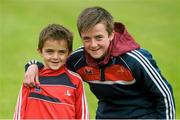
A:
153, 23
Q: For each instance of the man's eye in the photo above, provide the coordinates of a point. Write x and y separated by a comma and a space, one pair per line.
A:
86, 38
99, 37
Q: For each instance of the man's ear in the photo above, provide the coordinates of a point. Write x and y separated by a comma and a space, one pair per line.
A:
111, 36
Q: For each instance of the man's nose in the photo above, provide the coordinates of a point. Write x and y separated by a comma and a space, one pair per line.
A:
93, 43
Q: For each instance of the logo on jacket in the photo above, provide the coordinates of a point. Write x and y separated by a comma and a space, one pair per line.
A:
88, 70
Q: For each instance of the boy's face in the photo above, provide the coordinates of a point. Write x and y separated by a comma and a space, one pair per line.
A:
96, 41
54, 53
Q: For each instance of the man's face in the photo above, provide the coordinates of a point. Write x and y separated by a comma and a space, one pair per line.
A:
96, 41
54, 53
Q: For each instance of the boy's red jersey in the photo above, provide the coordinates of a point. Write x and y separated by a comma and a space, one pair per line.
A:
59, 96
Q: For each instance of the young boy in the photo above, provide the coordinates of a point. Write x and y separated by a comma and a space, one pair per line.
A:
124, 77
60, 94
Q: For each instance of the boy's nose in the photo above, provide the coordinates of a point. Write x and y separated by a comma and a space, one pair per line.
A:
55, 55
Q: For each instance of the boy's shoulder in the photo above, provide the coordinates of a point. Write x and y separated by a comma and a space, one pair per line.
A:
73, 75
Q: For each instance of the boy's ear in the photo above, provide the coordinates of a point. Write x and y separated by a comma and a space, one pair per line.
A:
39, 51
69, 53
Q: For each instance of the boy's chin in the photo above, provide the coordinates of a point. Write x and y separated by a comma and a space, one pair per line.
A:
55, 67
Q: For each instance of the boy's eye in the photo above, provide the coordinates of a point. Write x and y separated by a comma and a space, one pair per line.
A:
49, 51
62, 51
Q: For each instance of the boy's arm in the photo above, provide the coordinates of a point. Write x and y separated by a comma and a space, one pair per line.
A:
81, 106
21, 103
31, 75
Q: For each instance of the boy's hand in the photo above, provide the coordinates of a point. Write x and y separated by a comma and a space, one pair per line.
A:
31, 76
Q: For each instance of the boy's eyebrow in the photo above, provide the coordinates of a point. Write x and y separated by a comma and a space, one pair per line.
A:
58, 50
63, 49
49, 49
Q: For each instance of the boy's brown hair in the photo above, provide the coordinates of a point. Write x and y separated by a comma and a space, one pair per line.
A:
55, 32
91, 16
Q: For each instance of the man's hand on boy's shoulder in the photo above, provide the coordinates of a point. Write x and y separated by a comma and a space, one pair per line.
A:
31, 78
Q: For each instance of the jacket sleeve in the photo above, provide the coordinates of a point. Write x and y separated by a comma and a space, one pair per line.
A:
21, 103
147, 71
81, 106
39, 64
70, 64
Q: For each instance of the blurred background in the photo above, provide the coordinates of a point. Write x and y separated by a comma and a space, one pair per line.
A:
155, 24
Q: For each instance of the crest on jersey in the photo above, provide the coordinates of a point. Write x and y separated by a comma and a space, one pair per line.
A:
68, 93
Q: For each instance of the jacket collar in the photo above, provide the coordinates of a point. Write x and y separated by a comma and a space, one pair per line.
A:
121, 43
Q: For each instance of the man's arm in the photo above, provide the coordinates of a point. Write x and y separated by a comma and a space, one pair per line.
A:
31, 78
147, 70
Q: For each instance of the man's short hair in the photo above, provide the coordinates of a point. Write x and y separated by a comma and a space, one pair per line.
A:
91, 16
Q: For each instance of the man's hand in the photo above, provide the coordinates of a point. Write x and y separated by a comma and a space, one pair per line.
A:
31, 78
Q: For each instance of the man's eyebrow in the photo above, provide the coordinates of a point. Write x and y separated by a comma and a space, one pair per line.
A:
85, 37
98, 35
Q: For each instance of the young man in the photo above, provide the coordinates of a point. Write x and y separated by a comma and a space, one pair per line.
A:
124, 77
60, 94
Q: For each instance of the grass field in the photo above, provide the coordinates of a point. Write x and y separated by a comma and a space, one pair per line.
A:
154, 23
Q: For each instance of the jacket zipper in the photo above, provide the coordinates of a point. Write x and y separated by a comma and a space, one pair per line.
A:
102, 74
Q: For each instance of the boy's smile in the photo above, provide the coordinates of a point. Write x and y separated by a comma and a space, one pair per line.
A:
54, 53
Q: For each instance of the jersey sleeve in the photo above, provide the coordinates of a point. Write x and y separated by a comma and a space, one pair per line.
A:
81, 105
21, 103
39, 64
147, 70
